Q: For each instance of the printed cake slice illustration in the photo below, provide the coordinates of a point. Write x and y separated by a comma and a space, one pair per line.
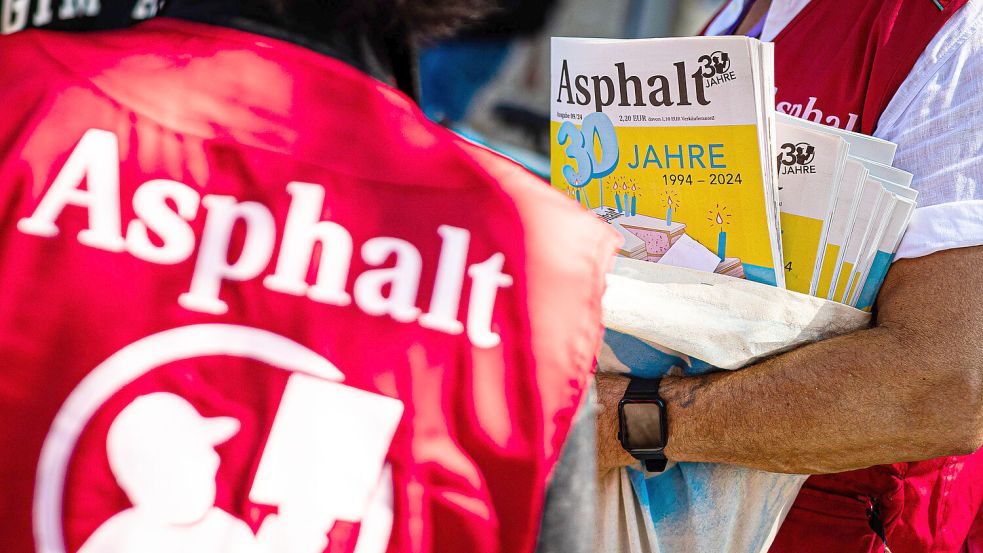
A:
657, 235
731, 266
644, 237
632, 246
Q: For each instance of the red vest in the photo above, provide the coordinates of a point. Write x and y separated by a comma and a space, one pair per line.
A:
252, 297
847, 82
839, 63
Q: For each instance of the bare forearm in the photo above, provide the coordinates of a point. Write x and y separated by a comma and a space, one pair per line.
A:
907, 389
846, 403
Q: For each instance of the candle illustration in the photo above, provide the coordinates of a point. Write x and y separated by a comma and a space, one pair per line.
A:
669, 212
633, 205
718, 218
721, 239
630, 198
617, 202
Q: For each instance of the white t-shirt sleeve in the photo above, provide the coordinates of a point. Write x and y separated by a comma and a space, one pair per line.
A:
936, 118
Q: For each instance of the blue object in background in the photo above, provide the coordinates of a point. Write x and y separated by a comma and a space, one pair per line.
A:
452, 73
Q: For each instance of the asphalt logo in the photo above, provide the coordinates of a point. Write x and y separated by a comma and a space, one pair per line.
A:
802, 153
796, 158
167, 453
715, 68
715, 64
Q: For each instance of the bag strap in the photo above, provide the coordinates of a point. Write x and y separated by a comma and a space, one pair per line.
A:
876, 523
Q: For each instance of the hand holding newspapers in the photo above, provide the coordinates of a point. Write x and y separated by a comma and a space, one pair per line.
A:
676, 143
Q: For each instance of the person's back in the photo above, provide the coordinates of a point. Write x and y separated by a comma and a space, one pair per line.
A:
274, 236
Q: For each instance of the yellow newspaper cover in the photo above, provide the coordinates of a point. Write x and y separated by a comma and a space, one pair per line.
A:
666, 137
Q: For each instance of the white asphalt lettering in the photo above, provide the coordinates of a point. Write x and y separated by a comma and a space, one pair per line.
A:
149, 204
487, 279
94, 161
303, 231
403, 279
168, 209
446, 298
212, 266
811, 112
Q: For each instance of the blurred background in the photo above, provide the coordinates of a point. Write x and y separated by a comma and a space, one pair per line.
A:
492, 83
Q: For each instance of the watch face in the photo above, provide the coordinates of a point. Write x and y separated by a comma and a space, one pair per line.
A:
642, 425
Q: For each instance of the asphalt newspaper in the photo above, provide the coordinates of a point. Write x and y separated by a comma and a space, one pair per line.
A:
672, 138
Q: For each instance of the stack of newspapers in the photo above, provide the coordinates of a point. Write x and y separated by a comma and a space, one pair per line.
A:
676, 143
844, 210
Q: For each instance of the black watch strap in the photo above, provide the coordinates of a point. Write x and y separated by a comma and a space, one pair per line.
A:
647, 389
655, 465
643, 388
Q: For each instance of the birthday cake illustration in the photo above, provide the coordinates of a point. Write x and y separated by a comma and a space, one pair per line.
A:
649, 238
731, 266
645, 237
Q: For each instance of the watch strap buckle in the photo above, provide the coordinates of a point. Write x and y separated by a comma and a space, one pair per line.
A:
655, 465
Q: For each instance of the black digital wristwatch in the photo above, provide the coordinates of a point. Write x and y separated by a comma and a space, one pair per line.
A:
643, 427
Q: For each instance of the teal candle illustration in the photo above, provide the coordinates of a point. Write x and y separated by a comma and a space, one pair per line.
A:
669, 212
721, 239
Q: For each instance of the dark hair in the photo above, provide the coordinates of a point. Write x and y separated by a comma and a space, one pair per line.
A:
424, 20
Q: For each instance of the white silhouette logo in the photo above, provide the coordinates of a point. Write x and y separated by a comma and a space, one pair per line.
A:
162, 453
323, 462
